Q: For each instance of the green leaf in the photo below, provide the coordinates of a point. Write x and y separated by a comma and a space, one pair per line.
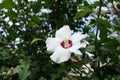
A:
84, 11
54, 76
103, 23
111, 42
22, 70
23, 74
36, 6
116, 21
42, 78
12, 14
90, 48
17, 69
36, 39
36, 19
118, 39
104, 29
8, 4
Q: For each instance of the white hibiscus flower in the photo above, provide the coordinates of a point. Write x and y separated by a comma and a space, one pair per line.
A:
64, 44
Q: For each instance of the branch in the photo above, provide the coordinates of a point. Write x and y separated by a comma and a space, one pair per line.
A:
96, 39
97, 50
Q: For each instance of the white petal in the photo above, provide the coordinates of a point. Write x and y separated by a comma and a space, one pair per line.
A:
77, 37
89, 54
76, 46
52, 43
60, 55
63, 32
78, 52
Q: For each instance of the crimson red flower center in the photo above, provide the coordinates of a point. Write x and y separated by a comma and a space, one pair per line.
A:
66, 44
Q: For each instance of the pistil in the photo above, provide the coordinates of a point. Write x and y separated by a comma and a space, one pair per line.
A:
66, 44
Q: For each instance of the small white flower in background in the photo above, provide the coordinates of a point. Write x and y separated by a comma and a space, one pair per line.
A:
64, 44
114, 7
85, 68
104, 10
114, 34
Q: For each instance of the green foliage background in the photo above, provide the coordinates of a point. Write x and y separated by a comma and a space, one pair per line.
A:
24, 21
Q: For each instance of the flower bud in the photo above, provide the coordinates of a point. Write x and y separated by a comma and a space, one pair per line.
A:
104, 10
10, 71
115, 7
